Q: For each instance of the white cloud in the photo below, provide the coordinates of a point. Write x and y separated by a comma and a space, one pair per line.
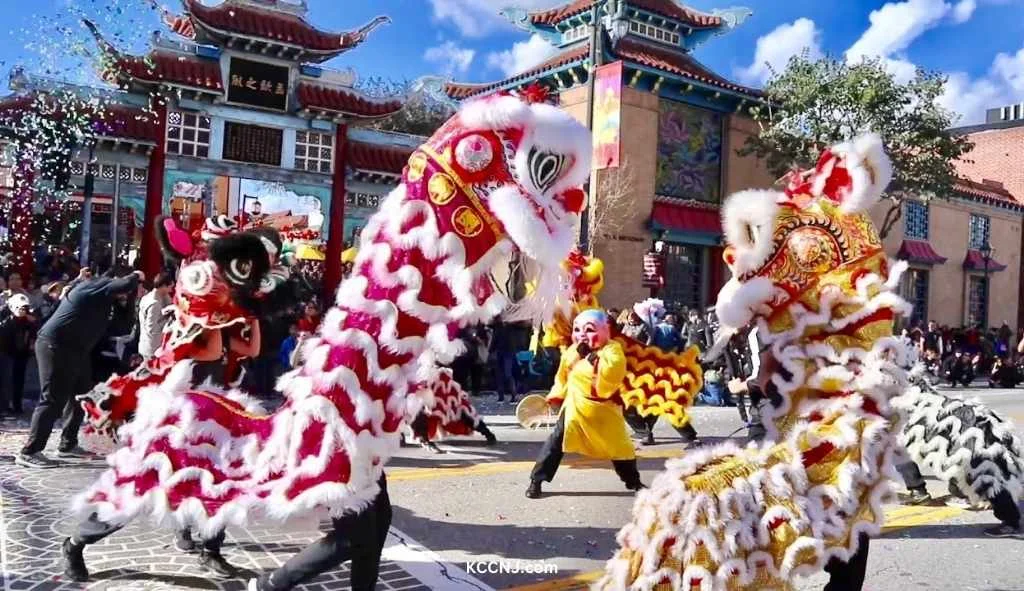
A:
1003, 85
963, 10
476, 18
896, 25
522, 56
452, 58
774, 49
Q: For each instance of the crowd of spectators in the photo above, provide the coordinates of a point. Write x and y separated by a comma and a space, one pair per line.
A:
959, 356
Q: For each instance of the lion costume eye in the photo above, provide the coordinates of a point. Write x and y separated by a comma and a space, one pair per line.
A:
239, 271
545, 168
197, 279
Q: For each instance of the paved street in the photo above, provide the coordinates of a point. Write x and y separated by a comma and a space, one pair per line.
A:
467, 505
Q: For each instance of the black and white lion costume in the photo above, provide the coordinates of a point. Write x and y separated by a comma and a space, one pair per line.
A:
962, 442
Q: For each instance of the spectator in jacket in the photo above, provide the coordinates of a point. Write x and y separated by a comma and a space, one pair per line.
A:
151, 315
957, 369
667, 336
17, 335
635, 328
310, 320
63, 348
696, 331
51, 299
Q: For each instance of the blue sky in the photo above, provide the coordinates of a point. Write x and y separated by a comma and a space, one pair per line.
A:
978, 43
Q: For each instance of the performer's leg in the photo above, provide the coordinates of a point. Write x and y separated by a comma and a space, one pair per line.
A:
548, 460
629, 473
74, 414
636, 422
211, 558
183, 540
88, 532
1006, 511
480, 427
356, 536
687, 433
914, 482
650, 422
849, 576
421, 430
742, 401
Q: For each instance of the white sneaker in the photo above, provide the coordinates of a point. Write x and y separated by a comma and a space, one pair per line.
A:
253, 585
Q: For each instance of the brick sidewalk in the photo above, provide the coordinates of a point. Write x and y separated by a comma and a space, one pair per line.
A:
34, 519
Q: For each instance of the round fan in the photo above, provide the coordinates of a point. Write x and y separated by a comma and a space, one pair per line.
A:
534, 412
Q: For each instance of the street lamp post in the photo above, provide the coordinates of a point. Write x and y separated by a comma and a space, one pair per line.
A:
595, 60
986, 257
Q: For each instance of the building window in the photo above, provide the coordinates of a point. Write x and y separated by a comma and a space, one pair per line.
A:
977, 300
188, 134
916, 220
980, 228
138, 175
652, 32
314, 151
915, 291
683, 276
576, 33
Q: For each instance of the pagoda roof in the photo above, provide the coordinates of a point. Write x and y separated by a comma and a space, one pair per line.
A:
345, 101
632, 51
574, 55
666, 8
275, 23
167, 67
378, 158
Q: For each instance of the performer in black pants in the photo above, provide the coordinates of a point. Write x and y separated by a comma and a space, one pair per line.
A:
63, 350
551, 454
420, 428
643, 427
93, 530
849, 576
358, 537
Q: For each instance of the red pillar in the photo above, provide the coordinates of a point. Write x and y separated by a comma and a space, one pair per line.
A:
716, 274
152, 260
22, 242
336, 221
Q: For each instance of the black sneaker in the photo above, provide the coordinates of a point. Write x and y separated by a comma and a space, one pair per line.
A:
215, 563
915, 497
37, 461
74, 562
648, 439
636, 486
1004, 530
183, 541
533, 491
75, 453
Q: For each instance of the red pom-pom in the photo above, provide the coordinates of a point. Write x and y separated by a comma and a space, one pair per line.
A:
535, 93
572, 200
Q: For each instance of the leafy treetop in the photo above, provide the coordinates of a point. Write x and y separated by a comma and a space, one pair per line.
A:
815, 103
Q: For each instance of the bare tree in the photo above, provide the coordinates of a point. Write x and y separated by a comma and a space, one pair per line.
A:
610, 209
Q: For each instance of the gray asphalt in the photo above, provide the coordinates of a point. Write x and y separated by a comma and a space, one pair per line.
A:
472, 507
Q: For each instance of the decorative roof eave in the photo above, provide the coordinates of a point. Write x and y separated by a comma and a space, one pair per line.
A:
919, 252
975, 261
341, 102
687, 85
520, 18
198, 13
117, 68
980, 193
378, 177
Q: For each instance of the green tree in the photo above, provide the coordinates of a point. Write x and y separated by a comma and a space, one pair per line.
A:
815, 103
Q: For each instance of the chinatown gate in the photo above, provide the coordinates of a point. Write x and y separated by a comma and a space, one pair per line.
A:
230, 114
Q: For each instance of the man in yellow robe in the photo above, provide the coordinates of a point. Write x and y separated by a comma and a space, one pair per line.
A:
590, 422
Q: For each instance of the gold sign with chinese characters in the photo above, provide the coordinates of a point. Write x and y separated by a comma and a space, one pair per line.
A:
258, 84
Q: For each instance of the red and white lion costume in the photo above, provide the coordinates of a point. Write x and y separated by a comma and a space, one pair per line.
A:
503, 174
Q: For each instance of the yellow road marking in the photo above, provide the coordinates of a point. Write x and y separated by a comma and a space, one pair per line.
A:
896, 518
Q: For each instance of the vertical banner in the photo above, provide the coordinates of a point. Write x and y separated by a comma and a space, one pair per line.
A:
654, 271
607, 115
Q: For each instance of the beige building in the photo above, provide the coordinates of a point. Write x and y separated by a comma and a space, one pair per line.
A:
944, 242
679, 125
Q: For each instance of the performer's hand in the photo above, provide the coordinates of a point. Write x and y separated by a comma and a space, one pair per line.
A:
737, 386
